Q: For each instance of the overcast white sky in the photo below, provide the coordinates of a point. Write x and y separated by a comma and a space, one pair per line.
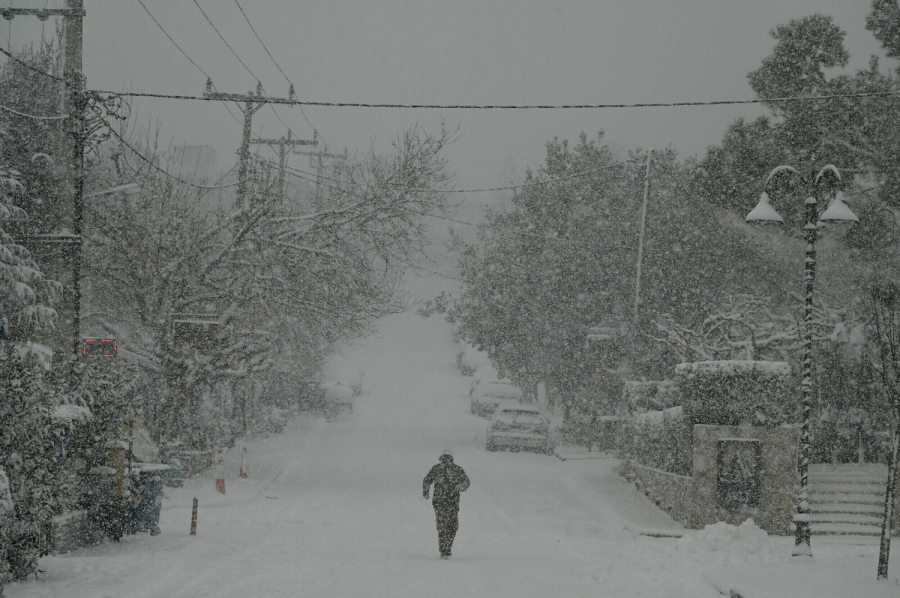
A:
460, 51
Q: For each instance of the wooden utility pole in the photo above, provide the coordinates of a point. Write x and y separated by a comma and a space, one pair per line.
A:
640, 258
248, 104
74, 103
320, 167
283, 146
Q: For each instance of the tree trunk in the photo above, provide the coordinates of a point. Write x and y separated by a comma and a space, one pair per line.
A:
886, 524
860, 448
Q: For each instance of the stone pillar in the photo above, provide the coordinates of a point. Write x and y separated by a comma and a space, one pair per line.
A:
775, 471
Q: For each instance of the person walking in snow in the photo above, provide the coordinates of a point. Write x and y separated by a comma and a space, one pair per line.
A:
449, 480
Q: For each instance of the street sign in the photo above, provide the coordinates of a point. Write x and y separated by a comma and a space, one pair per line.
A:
737, 473
99, 347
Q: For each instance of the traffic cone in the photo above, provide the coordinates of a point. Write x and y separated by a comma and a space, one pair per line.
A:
220, 476
245, 464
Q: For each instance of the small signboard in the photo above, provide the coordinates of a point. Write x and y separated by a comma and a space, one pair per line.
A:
99, 347
198, 331
737, 473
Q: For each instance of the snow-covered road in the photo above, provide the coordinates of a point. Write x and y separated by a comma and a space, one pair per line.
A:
336, 509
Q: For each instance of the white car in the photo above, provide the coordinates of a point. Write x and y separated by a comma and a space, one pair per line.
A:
488, 394
521, 426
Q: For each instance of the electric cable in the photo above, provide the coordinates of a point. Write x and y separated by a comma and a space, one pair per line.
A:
162, 170
185, 54
30, 67
511, 187
60, 117
221, 37
290, 102
286, 78
205, 16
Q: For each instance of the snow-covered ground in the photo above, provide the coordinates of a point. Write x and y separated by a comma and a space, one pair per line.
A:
336, 509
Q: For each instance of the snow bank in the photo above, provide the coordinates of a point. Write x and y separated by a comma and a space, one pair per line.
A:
723, 543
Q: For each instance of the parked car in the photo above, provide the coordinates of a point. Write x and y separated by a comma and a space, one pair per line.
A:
337, 398
487, 394
520, 426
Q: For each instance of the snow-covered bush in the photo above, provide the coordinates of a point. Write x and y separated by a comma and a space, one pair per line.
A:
733, 393
658, 439
649, 395
102, 390
27, 435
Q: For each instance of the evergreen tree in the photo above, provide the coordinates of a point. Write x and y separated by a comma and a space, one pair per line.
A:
27, 435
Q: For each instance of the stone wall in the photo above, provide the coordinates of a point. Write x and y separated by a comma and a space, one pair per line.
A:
777, 476
673, 493
693, 501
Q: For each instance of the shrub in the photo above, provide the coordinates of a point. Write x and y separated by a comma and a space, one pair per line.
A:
27, 438
652, 395
733, 393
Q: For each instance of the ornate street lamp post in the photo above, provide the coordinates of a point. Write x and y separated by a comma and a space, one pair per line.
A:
837, 210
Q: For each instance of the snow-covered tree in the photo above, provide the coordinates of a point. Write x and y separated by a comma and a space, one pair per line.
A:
26, 433
857, 134
564, 259
747, 327
273, 275
883, 305
26, 295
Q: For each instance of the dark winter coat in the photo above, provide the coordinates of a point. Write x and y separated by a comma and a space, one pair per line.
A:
446, 477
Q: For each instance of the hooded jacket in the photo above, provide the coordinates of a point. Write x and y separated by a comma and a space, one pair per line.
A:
446, 477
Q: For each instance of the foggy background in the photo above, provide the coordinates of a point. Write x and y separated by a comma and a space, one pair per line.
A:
426, 51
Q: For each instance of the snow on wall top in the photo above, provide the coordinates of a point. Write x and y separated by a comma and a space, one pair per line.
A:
775, 368
655, 417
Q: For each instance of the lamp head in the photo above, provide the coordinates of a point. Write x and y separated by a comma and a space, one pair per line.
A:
764, 212
838, 210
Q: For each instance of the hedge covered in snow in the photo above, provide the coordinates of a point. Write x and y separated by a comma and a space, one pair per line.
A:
733, 393
643, 395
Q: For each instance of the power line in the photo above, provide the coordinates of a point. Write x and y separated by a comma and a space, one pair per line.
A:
221, 37
286, 78
162, 170
292, 102
28, 66
185, 54
261, 42
224, 41
191, 60
511, 187
60, 117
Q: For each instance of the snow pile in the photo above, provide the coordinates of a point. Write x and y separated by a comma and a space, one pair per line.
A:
721, 543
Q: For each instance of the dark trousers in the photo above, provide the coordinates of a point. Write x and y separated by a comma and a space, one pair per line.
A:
447, 524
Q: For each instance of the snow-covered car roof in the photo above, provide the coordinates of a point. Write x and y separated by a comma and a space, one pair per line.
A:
511, 411
498, 389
